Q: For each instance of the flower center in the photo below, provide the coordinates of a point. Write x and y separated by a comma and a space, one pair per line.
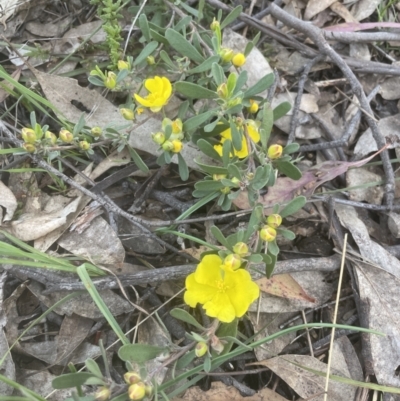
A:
221, 286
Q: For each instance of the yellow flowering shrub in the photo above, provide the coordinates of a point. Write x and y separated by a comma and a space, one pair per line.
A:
160, 90
224, 293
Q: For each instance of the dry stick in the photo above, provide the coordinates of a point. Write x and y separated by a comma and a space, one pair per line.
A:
347, 133
105, 201
300, 90
328, 368
317, 37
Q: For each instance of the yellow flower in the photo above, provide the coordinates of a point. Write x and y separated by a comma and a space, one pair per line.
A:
242, 153
238, 59
275, 152
177, 146
28, 135
137, 391
253, 106
224, 294
160, 89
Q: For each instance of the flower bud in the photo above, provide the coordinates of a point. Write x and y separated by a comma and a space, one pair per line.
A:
241, 249
177, 146
150, 60
236, 181
201, 349
84, 145
122, 65
253, 106
131, 377
275, 152
111, 80
96, 131
215, 25
128, 114
66, 136
225, 190
137, 391
226, 55
216, 344
149, 390
51, 137
217, 177
222, 91
238, 59
274, 220
268, 233
168, 146
177, 126
103, 394
28, 135
233, 261
158, 137
29, 147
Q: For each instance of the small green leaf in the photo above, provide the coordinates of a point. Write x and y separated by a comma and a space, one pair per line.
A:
216, 232
218, 74
208, 185
255, 218
281, 110
158, 37
208, 149
207, 363
227, 330
234, 171
139, 353
205, 66
273, 248
226, 152
267, 123
231, 83
252, 44
236, 136
212, 169
167, 60
288, 234
181, 314
289, 169
240, 82
183, 23
93, 367
148, 49
71, 380
255, 258
291, 148
138, 160
183, 108
185, 360
232, 16
195, 121
270, 262
144, 26
182, 46
183, 168
194, 91
293, 206
263, 84
95, 80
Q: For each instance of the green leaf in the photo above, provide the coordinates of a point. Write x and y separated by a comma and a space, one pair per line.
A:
195, 121
227, 330
288, 234
139, 353
267, 123
236, 136
232, 16
194, 91
185, 360
183, 168
183, 23
256, 258
12, 150
121, 397
263, 84
95, 80
208, 185
207, 363
289, 169
167, 60
147, 50
234, 171
208, 149
255, 218
281, 110
70, 380
183, 108
181, 314
291, 148
158, 37
144, 26
211, 126
138, 160
273, 248
212, 169
216, 232
293, 206
218, 74
250, 45
240, 82
182, 46
231, 83
204, 66
93, 367
270, 262
226, 152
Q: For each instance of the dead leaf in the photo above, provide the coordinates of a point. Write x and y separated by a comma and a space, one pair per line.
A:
220, 392
343, 12
306, 384
284, 286
314, 7
359, 177
8, 201
364, 8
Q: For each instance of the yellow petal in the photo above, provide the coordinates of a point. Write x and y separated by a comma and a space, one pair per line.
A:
197, 293
209, 270
144, 102
153, 85
167, 88
242, 153
220, 307
253, 133
218, 148
227, 134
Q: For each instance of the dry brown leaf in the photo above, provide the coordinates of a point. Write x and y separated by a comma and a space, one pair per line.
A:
284, 286
343, 12
364, 8
220, 392
8, 201
314, 7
